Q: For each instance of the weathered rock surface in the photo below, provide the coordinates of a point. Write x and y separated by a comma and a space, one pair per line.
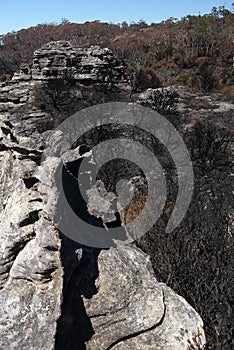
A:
138, 312
89, 65
30, 265
61, 80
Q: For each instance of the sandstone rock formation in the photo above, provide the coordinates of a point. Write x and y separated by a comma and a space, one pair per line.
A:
30, 267
116, 291
61, 60
62, 80
56, 294
136, 308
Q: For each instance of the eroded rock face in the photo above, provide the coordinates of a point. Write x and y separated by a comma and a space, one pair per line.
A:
30, 265
61, 80
138, 312
55, 293
61, 60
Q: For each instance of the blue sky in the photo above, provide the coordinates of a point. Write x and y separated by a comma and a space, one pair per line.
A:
19, 14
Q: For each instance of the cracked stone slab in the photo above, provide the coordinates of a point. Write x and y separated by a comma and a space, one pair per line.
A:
181, 329
132, 310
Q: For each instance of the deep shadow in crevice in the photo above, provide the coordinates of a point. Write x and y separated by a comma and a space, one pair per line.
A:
74, 327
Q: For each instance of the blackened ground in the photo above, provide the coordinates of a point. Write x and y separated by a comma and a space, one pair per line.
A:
196, 260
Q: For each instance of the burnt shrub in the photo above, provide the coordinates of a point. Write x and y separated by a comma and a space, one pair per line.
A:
196, 259
146, 78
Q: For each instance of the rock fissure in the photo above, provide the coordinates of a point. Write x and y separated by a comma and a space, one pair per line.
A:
131, 336
32, 217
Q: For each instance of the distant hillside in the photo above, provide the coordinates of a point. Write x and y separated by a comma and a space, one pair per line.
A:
196, 51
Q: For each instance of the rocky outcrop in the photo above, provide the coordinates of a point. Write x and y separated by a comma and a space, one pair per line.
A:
138, 311
132, 310
54, 292
88, 65
108, 299
62, 80
30, 266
